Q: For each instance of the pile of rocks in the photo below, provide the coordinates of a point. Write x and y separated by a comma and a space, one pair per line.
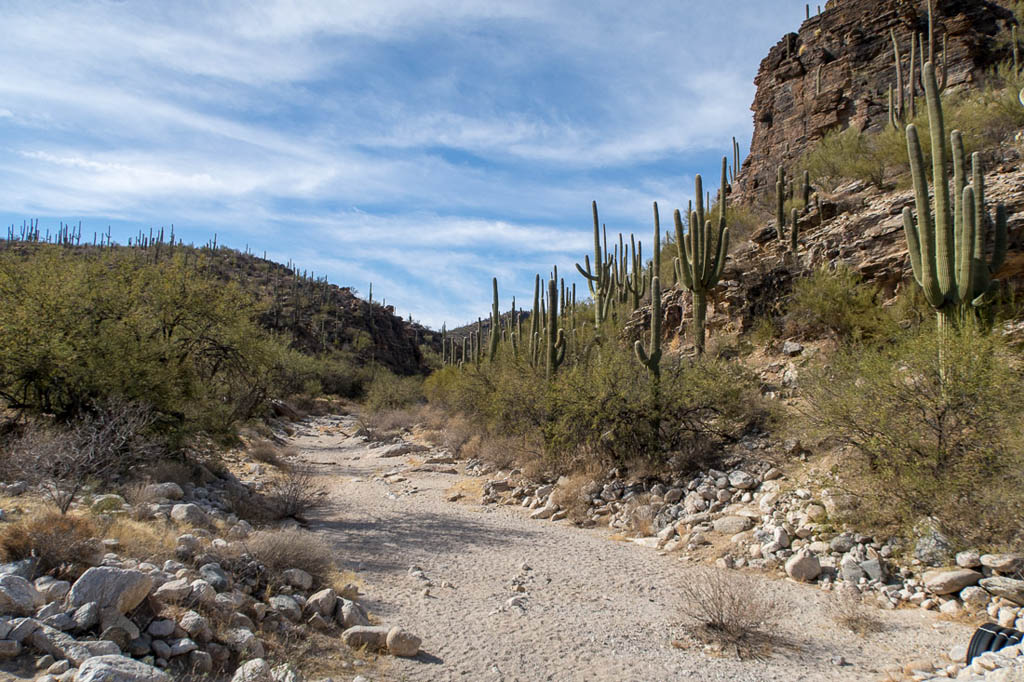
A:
176, 618
773, 527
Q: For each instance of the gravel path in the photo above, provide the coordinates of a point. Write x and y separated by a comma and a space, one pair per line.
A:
590, 607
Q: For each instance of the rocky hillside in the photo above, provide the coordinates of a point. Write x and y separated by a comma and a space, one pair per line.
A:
861, 227
836, 69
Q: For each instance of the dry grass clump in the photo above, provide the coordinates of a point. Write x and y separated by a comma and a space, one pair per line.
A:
146, 541
457, 433
571, 496
729, 610
847, 608
267, 452
385, 424
279, 550
62, 545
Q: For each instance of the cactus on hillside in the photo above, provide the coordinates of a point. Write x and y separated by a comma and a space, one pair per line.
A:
794, 233
702, 256
947, 244
780, 203
651, 359
598, 276
554, 335
495, 322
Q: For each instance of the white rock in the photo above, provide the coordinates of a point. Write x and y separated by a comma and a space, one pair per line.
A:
286, 672
118, 669
402, 643
374, 637
173, 591
322, 602
958, 654
256, 670
298, 578
18, 597
968, 559
803, 567
164, 491
742, 480
949, 581
110, 587
244, 643
189, 513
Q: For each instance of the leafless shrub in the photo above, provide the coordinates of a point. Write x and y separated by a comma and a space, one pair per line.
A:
385, 424
266, 452
728, 609
61, 545
847, 608
457, 433
60, 460
279, 550
294, 494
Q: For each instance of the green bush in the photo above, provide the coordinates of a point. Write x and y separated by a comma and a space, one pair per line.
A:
78, 329
391, 392
932, 438
599, 409
838, 301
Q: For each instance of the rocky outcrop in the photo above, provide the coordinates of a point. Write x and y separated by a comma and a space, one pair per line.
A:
860, 227
849, 42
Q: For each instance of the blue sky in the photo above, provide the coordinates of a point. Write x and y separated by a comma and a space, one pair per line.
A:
425, 146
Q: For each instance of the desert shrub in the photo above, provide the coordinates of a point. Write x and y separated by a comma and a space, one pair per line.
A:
935, 434
847, 155
386, 424
99, 445
846, 607
837, 301
604, 409
62, 545
294, 494
266, 452
729, 609
77, 330
391, 392
147, 541
279, 550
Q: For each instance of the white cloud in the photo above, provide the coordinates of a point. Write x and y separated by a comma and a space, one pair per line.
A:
423, 143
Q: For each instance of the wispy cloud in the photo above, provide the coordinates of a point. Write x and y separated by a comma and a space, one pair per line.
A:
425, 145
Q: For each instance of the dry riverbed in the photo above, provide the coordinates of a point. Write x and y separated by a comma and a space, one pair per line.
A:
496, 596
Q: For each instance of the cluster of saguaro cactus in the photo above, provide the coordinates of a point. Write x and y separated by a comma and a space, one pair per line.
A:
598, 276
701, 254
947, 244
903, 96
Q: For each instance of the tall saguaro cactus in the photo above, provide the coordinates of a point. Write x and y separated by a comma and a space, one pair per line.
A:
554, 335
947, 244
701, 255
495, 322
598, 276
651, 358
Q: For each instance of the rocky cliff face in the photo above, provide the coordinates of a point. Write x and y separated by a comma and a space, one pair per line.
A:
861, 227
849, 44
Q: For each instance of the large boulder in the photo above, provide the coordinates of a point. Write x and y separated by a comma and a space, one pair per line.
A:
256, 670
1007, 588
163, 491
322, 602
804, 567
189, 513
119, 669
730, 525
111, 588
948, 582
18, 597
402, 643
372, 637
